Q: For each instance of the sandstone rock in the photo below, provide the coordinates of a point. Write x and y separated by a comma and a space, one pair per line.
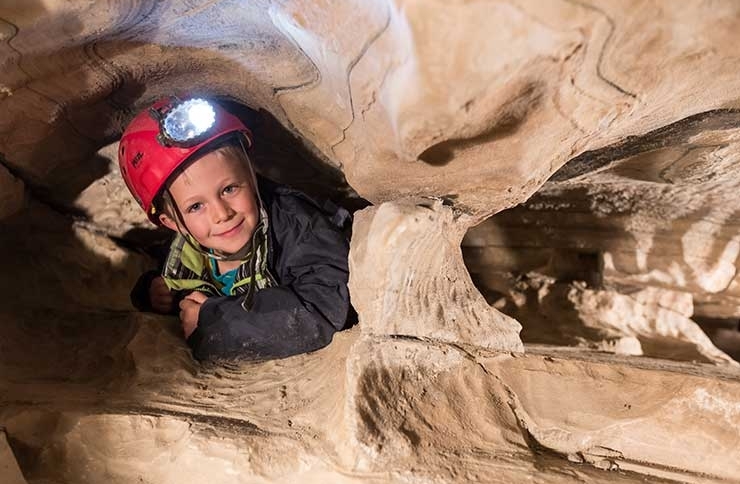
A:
107, 203
661, 330
663, 216
365, 409
634, 321
11, 194
409, 98
8, 465
473, 103
56, 265
598, 425
653, 213
407, 278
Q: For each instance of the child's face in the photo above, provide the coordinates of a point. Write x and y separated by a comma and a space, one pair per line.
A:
217, 202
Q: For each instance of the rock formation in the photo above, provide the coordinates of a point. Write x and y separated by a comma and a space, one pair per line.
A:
654, 224
440, 115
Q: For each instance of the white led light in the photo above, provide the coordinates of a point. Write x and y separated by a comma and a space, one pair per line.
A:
201, 116
189, 120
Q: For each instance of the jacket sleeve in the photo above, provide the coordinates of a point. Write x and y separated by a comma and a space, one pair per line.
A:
300, 315
140, 292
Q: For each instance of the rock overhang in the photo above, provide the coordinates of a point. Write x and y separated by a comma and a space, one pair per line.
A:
480, 102
439, 114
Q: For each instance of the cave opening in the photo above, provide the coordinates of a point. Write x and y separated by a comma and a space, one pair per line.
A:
724, 333
76, 252
68, 323
574, 279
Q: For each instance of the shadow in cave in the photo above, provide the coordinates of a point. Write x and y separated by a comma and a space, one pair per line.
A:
724, 333
440, 154
538, 262
64, 285
529, 275
69, 317
66, 314
284, 158
64, 311
67, 321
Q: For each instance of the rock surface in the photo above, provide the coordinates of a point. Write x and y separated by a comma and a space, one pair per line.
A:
8, 466
406, 97
655, 213
441, 114
365, 409
11, 193
407, 278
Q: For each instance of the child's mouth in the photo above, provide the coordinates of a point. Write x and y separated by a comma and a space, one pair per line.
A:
231, 231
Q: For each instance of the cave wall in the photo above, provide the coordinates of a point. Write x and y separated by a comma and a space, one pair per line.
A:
440, 114
650, 223
407, 98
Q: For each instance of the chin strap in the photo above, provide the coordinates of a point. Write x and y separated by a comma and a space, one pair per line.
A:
253, 253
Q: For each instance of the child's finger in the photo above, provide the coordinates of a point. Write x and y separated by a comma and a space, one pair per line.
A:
186, 303
188, 327
197, 297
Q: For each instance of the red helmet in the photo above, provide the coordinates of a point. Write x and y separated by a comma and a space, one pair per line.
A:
163, 137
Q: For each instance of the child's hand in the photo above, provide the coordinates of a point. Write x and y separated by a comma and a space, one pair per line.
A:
189, 309
160, 296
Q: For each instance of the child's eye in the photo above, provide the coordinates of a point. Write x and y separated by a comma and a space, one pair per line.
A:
231, 189
194, 207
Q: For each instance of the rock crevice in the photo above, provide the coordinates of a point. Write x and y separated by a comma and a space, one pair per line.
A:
610, 127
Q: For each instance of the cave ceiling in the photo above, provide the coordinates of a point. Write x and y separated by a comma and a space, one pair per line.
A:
399, 96
584, 153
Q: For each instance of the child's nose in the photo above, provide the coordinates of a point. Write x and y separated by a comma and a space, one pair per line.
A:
221, 211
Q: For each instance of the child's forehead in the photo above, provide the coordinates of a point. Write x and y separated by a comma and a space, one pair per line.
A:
212, 167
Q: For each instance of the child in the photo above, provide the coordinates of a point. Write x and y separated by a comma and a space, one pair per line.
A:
260, 270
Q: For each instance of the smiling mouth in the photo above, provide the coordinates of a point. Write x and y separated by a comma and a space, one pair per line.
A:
231, 231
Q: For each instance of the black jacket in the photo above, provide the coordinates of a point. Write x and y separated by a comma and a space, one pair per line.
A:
307, 256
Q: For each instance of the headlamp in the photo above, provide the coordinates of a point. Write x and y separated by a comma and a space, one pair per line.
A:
185, 124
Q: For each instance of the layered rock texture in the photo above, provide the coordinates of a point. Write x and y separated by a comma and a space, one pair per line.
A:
439, 115
644, 229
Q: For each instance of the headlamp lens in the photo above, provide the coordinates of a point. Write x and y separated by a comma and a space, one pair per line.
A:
189, 120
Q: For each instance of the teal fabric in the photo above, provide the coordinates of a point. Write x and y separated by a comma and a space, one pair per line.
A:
225, 281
